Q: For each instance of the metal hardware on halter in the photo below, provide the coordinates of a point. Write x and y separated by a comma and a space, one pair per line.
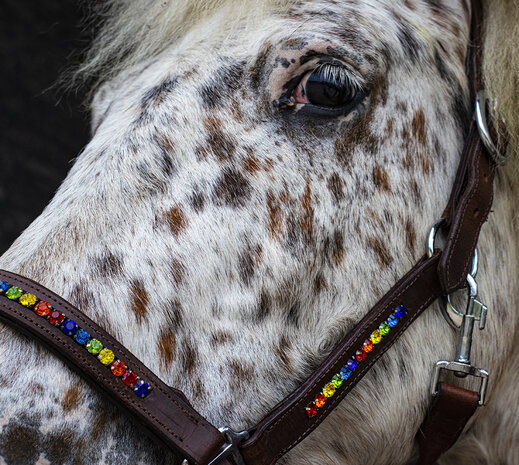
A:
481, 119
230, 448
451, 314
475, 311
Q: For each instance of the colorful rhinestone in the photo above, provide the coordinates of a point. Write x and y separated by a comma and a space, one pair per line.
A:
4, 285
392, 321
368, 346
14, 293
352, 363
311, 410
130, 378
94, 346
320, 400
337, 381
118, 368
360, 355
82, 337
400, 311
345, 372
384, 328
329, 390
28, 300
69, 327
142, 389
106, 356
56, 317
42, 309
376, 337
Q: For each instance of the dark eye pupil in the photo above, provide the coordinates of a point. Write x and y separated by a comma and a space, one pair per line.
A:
322, 89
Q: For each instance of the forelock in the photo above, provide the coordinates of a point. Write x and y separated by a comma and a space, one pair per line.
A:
132, 31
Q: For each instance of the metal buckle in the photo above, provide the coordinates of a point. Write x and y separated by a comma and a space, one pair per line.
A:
463, 370
474, 311
229, 449
481, 119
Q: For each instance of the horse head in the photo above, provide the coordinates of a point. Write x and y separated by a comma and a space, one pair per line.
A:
259, 175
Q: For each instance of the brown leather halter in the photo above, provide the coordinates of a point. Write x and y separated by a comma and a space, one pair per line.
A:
167, 413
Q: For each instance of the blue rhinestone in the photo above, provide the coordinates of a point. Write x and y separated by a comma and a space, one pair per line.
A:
82, 337
142, 389
352, 363
400, 311
4, 286
392, 321
345, 372
69, 327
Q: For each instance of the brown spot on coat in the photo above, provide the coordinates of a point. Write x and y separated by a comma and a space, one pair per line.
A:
231, 189
275, 220
109, 265
71, 397
335, 187
220, 337
320, 283
167, 348
381, 178
418, 127
307, 220
282, 351
382, 255
251, 164
410, 235
241, 371
139, 300
176, 220
222, 145
188, 358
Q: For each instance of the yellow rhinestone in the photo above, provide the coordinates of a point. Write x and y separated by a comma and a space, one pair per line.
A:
376, 336
106, 356
329, 390
28, 299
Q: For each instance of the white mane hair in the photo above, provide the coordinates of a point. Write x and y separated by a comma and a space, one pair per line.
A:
134, 30
501, 65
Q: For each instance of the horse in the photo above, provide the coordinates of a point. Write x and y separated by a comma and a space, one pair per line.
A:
259, 175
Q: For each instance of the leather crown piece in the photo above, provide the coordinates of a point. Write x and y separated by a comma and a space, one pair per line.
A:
167, 414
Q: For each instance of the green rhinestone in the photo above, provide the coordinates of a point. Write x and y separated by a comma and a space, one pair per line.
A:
14, 293
384, 328
337, 381
94, 346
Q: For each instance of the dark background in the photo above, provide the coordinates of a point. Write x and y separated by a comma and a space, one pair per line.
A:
42, 127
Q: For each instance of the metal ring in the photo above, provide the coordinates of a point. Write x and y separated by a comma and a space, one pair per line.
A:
484, 133
432, 237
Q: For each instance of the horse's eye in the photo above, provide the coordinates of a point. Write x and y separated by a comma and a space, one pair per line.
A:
329, 85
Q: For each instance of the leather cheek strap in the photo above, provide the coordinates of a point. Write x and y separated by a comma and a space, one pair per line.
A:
451, 410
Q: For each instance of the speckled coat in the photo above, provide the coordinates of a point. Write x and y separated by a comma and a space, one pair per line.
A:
229, 240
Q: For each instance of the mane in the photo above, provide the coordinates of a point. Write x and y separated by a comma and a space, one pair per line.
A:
131, 31
501, 67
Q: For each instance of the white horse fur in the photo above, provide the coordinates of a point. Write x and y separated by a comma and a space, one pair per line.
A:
229, 243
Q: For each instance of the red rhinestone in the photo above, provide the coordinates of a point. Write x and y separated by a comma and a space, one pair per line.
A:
361, 355
368, 345
130, 378
118, 368
320, 400
42, 308
56, 317
311, 410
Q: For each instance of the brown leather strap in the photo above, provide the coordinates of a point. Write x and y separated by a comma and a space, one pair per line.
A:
471, 197
165, 412
451, 410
